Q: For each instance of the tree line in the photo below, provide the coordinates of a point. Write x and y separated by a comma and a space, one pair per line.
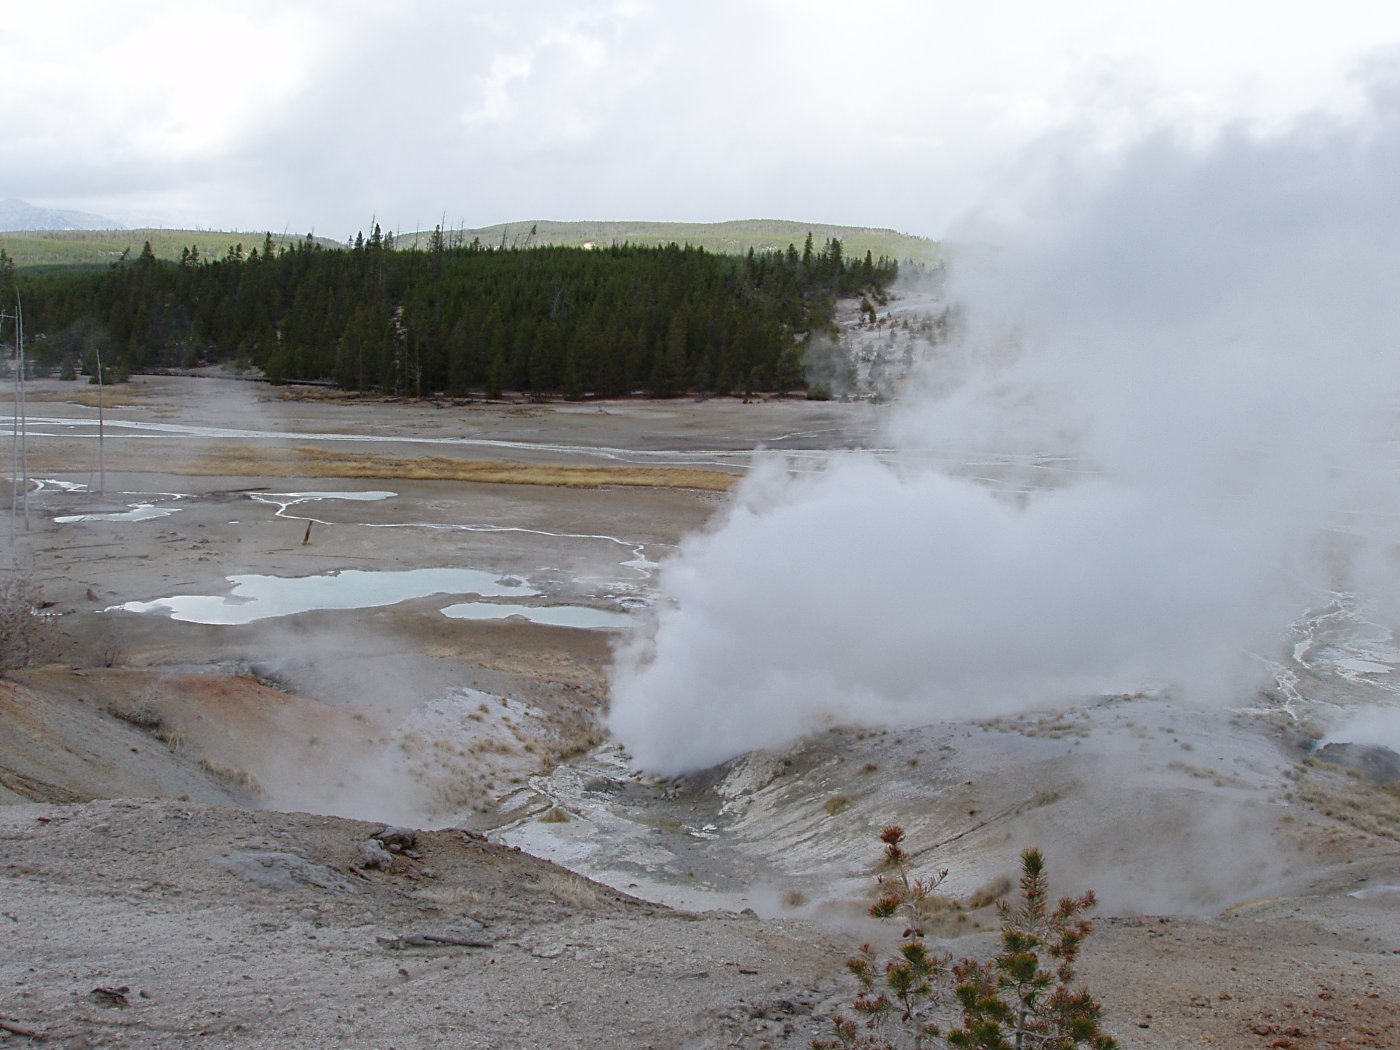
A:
458, 319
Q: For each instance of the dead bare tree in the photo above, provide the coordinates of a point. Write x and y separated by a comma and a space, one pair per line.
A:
22, 622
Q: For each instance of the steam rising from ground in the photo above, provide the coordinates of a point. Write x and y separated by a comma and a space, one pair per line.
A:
1162, 430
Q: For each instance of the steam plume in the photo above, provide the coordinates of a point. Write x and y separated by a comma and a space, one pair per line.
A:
1163, 426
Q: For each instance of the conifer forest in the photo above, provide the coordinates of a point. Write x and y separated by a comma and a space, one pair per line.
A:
456, 319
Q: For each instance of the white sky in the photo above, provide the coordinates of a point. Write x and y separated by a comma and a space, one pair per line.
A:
298, 115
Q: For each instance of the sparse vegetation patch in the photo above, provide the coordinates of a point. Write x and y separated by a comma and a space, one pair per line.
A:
22, 622
1022, 998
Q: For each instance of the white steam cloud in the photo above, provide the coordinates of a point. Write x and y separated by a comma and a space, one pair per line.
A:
1165, 422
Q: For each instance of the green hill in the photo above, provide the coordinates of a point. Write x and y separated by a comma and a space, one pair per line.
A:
730, 238
78, 249
58, 250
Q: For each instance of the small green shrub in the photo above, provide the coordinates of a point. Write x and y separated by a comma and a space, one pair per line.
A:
1013, 1001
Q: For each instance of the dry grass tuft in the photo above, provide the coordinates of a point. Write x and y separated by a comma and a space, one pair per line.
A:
323, 393
576, 738
245, 461
239, 779
142, 716
303, 462
990, 893
112, 397
569, 890
1366, 807
837, 804
1216, 777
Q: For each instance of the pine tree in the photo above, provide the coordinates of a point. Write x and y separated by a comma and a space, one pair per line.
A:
8, 284
1010, 1002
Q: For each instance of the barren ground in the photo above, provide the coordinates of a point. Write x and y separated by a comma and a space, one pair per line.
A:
189, 803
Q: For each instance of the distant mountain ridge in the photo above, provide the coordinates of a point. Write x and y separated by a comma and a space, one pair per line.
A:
17, 215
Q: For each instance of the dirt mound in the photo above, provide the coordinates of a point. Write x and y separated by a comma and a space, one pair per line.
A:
150, 923
64, 747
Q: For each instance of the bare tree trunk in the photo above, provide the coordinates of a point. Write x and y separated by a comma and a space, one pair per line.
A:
23, 410
101, 430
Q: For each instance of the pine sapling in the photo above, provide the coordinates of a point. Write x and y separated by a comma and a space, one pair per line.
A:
897, 997
1012, 1001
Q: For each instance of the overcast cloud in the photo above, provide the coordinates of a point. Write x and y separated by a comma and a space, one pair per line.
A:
299, 115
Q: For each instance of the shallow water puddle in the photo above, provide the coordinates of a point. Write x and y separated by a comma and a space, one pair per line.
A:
283, 500
289, 506
581, 616
138, 512
256, 597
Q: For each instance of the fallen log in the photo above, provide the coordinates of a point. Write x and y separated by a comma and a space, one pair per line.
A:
433, 940
15, 1029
